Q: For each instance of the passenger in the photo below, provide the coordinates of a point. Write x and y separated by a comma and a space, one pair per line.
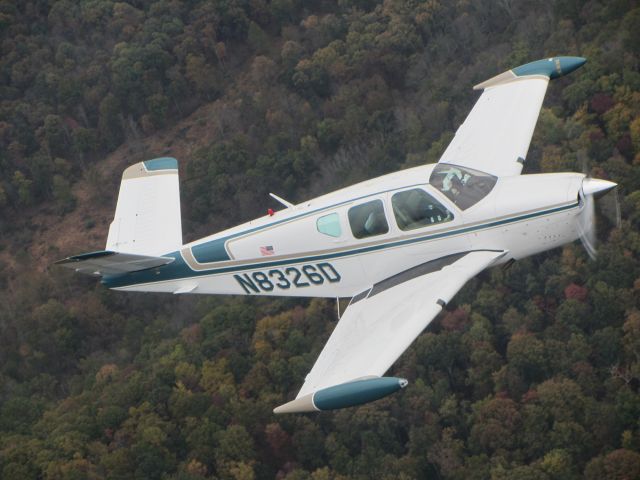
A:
372, 224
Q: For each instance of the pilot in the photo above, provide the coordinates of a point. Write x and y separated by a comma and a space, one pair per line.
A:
452, 181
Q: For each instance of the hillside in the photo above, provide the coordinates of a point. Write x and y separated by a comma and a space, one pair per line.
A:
532, 372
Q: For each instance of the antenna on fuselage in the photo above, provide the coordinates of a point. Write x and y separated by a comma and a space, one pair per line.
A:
281, 200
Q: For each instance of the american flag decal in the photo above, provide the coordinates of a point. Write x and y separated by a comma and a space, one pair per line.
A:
266, 251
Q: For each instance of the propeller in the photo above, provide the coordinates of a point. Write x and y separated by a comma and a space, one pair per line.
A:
609, 206
592, 189
587, 225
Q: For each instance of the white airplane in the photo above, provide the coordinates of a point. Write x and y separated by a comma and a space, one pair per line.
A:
400, 245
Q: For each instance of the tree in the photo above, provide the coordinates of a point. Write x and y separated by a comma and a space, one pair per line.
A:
617, 465
62, 193
235, 452
531, 377
201, 74
257, 38
631, 342
526, 354
496, 422
110, 121
23, 186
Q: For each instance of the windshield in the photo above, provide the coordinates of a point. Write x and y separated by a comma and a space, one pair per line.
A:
463, 186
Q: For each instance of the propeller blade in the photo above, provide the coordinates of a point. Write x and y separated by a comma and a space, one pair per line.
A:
609, 206
587, 226
593, 188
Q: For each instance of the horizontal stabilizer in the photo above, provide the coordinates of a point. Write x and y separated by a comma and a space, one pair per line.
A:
112, 263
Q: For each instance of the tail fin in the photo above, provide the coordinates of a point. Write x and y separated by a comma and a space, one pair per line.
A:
147, 219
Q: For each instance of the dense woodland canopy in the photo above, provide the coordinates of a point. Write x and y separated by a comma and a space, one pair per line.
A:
532, 373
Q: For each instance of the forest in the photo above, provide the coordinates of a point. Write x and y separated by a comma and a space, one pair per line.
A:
531, 373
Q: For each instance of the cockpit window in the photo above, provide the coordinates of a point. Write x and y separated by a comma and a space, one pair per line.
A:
416, 209
463, 186
368, 219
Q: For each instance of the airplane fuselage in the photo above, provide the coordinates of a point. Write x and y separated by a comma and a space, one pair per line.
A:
312, 249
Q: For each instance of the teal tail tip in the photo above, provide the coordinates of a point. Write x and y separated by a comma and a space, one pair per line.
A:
162, 163
554, 67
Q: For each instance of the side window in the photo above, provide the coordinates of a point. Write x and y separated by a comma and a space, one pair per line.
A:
368, 219
329, 225
416, 209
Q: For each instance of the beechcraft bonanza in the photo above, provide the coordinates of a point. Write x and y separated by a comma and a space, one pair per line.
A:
401, 245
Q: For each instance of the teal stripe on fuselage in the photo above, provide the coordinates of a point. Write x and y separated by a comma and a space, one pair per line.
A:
213, 251
179, 269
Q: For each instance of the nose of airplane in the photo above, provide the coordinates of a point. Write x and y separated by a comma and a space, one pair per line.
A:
596, 186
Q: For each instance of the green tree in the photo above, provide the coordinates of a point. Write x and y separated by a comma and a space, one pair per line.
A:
496, 422
526, 354
23, 186
618, 464
110, 121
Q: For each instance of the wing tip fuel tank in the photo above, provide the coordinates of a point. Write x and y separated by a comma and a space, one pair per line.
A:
553, 67
344, 395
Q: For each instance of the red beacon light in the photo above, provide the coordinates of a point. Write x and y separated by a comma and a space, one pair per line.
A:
270, 212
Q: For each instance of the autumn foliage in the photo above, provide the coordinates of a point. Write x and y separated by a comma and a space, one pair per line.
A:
532, 372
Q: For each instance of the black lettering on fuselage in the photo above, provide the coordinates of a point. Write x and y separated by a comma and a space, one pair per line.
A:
333, 276
283, 283
296, 277
284, 279
262, 280
313, 276
246, 283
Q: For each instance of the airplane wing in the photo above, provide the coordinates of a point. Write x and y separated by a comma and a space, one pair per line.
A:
496, 134
380, 323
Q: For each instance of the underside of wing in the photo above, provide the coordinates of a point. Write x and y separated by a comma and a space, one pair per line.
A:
377, 327
496, 134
